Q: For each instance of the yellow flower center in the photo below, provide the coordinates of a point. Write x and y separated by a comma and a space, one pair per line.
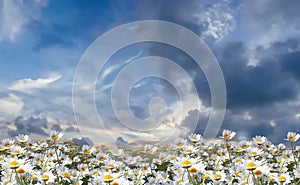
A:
186, 163
180, 181
16, 152
292, 138
194, 139
66, 175
204, 177
163, 159
237, 173
22, 140
180, 144
54, 137
282, 178
189, 151
33, 177
86, 152
193, 170
110, 166
287, 156
45, 177
259, 141
227, 136
251, 166
257, 172
114, 183
50, 154
20, 170
108, 178
244, 146
14, 164
217, 176
253, 153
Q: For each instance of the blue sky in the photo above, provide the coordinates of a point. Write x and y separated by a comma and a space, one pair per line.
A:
256, 43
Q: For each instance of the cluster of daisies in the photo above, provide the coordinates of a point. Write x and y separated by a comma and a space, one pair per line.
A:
190, 161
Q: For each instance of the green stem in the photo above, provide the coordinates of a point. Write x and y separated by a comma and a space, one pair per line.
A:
191, 178
18, 178
228, 149
253, 177
58, 160
294, 155
24, 180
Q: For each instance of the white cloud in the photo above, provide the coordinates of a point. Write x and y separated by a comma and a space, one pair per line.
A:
11, 105
218, 20
28, 85
15, 15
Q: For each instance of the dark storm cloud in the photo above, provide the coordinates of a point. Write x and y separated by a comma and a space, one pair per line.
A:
29, 126
273, 120
291, 64
267, 13
188, 121
56, 127
268, 92
268, 82
37, 125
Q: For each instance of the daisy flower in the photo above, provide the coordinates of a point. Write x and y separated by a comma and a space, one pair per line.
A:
47, 177
228, 134
179, 143
195, 138
244, 145
251, 165
186, 162
292, 136
150, 149
7, 143
86, 149
218, 176
259, 140
117, 152
22, 138
54, 135
108, 178
283, 178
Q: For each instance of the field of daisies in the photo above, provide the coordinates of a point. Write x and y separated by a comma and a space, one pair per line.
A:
190, 161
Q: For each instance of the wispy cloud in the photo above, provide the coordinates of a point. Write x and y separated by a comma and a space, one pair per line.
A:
15, 15
28, 85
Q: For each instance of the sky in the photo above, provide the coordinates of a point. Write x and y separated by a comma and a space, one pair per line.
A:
42, 44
